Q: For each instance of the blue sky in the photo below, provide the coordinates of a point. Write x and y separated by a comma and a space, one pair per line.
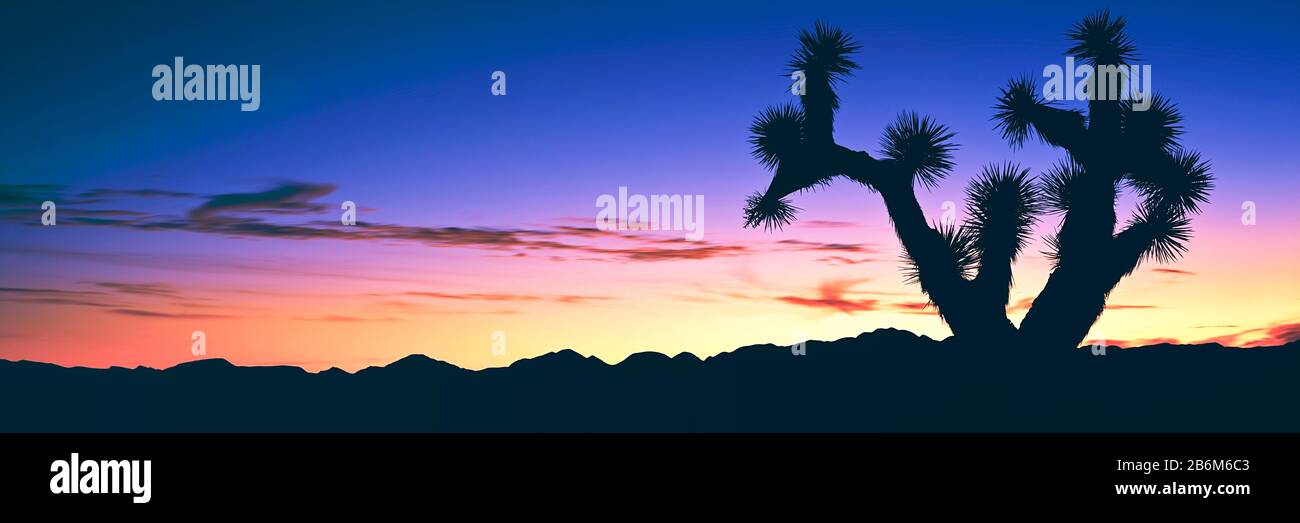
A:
390, 105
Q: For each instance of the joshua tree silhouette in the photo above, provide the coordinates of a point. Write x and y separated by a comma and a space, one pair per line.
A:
965, 270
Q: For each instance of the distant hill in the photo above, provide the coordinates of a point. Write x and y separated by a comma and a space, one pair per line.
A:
887, 380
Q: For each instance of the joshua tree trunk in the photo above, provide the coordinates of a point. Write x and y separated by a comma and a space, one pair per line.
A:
969, 313
966, 270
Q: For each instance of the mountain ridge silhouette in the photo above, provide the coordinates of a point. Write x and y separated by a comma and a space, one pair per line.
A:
885, 380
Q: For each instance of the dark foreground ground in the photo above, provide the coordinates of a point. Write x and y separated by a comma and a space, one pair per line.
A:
887, 380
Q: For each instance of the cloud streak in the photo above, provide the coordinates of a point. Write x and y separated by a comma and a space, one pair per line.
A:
495, 297
245, 215
803, 245
142, 313
142, 289
833, 295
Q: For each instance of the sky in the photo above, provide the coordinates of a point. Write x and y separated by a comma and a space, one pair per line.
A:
476, 240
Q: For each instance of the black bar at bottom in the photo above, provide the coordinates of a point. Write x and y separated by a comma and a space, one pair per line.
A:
397, 469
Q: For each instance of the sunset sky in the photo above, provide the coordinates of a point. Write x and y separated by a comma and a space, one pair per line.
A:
478, 211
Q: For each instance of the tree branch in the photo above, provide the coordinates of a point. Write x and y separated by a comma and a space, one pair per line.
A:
1022, 112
